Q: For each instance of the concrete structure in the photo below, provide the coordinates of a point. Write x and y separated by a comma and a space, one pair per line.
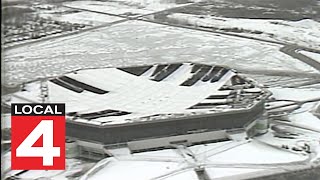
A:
122, 133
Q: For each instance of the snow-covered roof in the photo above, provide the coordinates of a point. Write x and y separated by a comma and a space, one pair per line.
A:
129, 94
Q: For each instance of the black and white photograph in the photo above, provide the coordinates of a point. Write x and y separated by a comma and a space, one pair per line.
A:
160, 90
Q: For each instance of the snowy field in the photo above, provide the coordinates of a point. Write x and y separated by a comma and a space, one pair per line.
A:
82, 17
125, 7
136, 42
74, 167
304, 32
266, 9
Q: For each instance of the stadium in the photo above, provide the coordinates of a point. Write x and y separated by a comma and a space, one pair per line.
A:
150, 107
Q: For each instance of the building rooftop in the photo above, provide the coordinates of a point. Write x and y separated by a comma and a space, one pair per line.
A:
129, 94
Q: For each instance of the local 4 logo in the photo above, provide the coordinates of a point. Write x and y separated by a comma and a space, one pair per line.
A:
38, 136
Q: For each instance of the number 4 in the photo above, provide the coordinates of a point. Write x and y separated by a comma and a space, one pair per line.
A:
47, 151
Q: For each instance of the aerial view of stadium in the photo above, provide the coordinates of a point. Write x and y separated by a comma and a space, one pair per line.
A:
168, 90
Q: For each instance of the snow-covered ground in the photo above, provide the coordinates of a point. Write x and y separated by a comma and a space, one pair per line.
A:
136, 42
295, 94
74, 167
82, 17
303, 116
125, 7
304, 32
244, 158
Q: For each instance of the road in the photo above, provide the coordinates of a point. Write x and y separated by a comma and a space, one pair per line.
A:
293, 51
